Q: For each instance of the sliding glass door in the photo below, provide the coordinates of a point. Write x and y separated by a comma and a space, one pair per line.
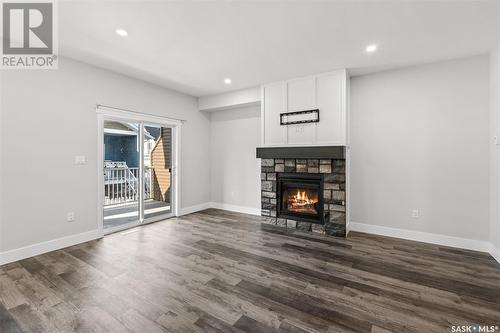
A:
138, 167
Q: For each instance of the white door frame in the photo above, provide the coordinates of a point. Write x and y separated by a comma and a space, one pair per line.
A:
105, 113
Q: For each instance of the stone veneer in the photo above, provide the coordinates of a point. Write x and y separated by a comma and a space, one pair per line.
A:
334, 192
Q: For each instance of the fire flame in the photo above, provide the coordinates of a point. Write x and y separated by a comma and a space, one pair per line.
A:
301, 199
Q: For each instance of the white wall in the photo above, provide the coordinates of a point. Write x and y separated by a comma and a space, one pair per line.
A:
495, 149
419, 139
235, 171
48, 117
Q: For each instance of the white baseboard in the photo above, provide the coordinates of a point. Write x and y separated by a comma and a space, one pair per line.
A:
495, 252
194, 209
219, 205
48, 246
235, 208
419, 236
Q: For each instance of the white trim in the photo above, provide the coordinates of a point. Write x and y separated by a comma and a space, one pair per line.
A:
117, 131
176, 170
47, 246
495, 252
140, 179
419, 236
219, 205
136, 116
100, 173
194, 208
262, 115
235, 208
348, 152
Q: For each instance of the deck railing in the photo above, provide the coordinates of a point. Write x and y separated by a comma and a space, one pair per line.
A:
121, 185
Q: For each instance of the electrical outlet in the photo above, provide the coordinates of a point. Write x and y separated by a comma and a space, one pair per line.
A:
70, 217
415, 213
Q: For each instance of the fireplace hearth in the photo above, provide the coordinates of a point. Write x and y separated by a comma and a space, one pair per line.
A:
300, 197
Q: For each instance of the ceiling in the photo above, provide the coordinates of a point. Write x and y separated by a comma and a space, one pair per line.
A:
192, 46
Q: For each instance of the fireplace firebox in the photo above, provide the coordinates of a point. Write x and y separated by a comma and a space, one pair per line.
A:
300, 197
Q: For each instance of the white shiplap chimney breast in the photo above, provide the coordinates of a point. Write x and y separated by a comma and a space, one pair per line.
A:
326, 92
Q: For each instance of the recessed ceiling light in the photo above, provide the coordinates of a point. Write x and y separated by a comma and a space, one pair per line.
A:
371, 48
227, 80
121, 32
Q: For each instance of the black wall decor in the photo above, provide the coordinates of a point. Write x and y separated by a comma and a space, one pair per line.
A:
315, 119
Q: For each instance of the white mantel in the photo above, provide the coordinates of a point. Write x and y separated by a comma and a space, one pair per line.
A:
327, 92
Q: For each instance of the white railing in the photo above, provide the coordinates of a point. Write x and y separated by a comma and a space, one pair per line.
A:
121, 185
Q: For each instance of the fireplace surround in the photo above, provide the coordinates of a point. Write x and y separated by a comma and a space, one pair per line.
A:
327, 163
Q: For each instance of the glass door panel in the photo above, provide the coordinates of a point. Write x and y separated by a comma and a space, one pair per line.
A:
157, 172
121, 174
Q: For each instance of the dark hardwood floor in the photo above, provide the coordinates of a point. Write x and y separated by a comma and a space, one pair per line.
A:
217, 271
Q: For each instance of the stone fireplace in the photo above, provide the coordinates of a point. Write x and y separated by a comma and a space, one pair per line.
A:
304, 193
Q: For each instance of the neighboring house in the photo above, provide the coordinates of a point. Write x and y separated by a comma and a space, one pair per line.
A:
120, 143
161, 162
